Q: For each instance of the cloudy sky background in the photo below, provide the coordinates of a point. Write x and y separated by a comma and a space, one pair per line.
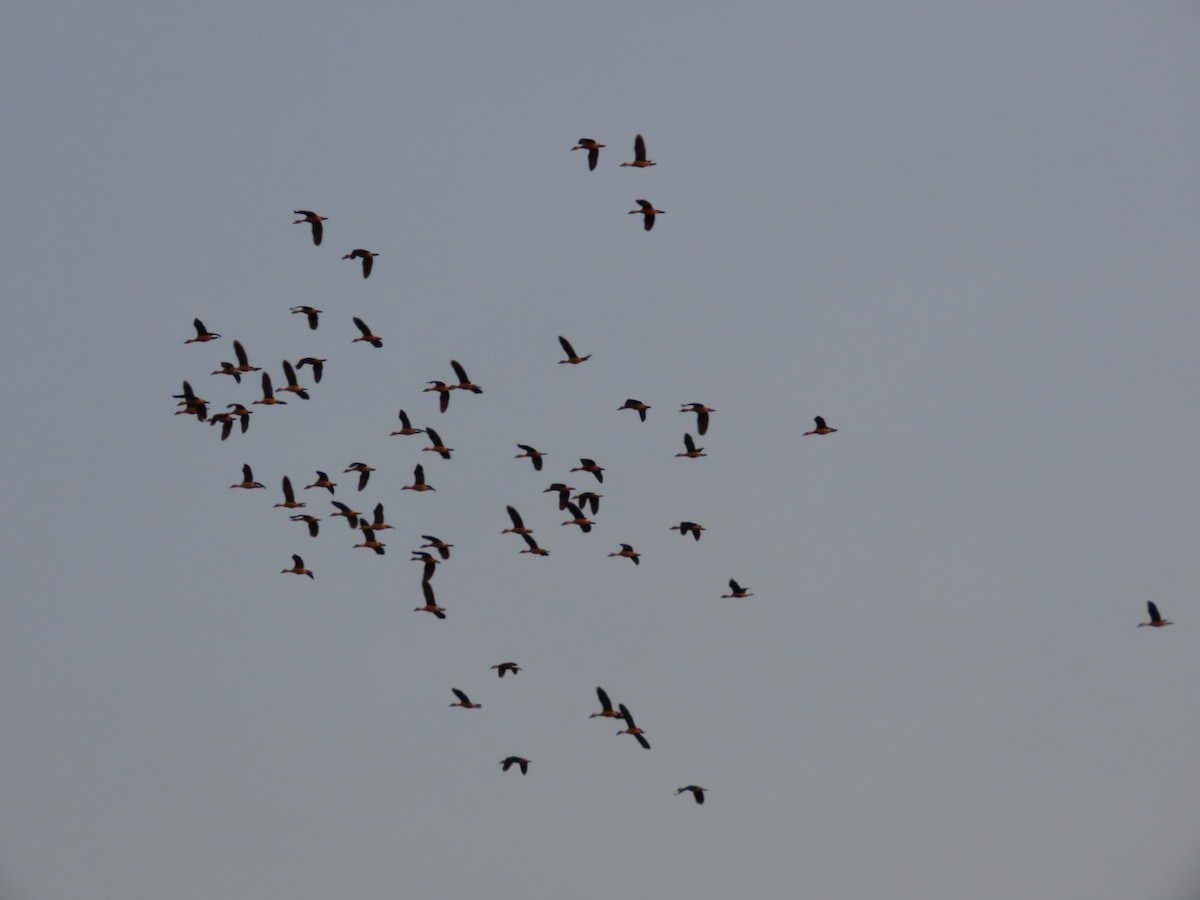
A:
963, 233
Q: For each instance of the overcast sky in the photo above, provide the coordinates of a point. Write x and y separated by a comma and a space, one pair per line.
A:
964, 233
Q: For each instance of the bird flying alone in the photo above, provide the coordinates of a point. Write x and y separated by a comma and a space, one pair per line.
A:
593, 149
464, 701
509, 762
318, 230
531, 454
502, 668
1156, 621
373, 339
736, 591
248, 481
691, 451
684, 528
629, 553
648, 213
297, 568
701, 412
367, 257
635, 404
430, 604
821, 428
697, 791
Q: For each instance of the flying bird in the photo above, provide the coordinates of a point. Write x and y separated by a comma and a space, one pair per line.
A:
518, 524
821, 428
225, 420
318, 230
464, 701
369, 541
606, 707
736, 591
318, 366
589, 465
293, 386
350, 515
632, 728
429, 562
203, 335
647, 212
372, 339
639, 154
502, 668
430, 604
531, 454
311, 312
443, 391
684, 528
314, 524
367, 257
464, 383
588, 498
268, 397
243, 359
697, 792
593, 149
533, 546
635, 404
691, 451
322, 482
578, 518
418, 481
297, 568
364, 473
228, 368
563, 491
248, 481
406, 426
572, 357
289, 496
509, 762
439, 446
629, 553
437, 544
1156, 621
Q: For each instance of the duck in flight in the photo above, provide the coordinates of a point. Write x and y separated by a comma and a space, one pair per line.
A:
1156, 621
639, 154
297, 568
367, 257
593, 149
318, 230
701, 412
632, 728
635, 404
203, 335
697, 791
572, 357
647, 211
821, 428
311, 312
373, 339
509, 762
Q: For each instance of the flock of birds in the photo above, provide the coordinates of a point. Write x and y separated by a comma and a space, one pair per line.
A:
580, 507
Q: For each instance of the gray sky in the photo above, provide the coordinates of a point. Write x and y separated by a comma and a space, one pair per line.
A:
963, 233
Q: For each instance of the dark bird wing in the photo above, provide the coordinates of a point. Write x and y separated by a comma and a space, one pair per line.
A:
689, 443
533, 545
820, 420
593, 158
201, 331
247, 474
639, 149
515, 516
702, 422
646, 205
288, 495
368, 262
419, 474
625, 714
460, 695
574, 510
641, 739
566, 345
238, 349
604, 701
433, 436
1153, 610
459, 371
298, 561
362, 326
427, 590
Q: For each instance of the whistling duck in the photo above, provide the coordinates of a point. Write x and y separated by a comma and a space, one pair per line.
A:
268, 397
429, 561
225, 420
691, 451
534, 456
635, 404
572, 357
563, 491
518, 523
533, 546
203, 335
418, 481
437, 544
503, 667
292, 385
318, 230
372, 339
314, 526
367, 257
647, 211
289, 496
298, 568
311, 313
243, 359
248, 481
464, 701
439, 447
318, 366
589, 465
406, 426
364, 473
632, 729
228, 368
606, 710
377, 523
593, 149
1156, 621
464, 383
192, 405
510, 761
701, 412
639, 154
322, 482
370, 542
241, 413
430, 604
736, 591
629, 553
697, 791
443, 392
821, 428
578, 518
350, 515
685, 527
588, 498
